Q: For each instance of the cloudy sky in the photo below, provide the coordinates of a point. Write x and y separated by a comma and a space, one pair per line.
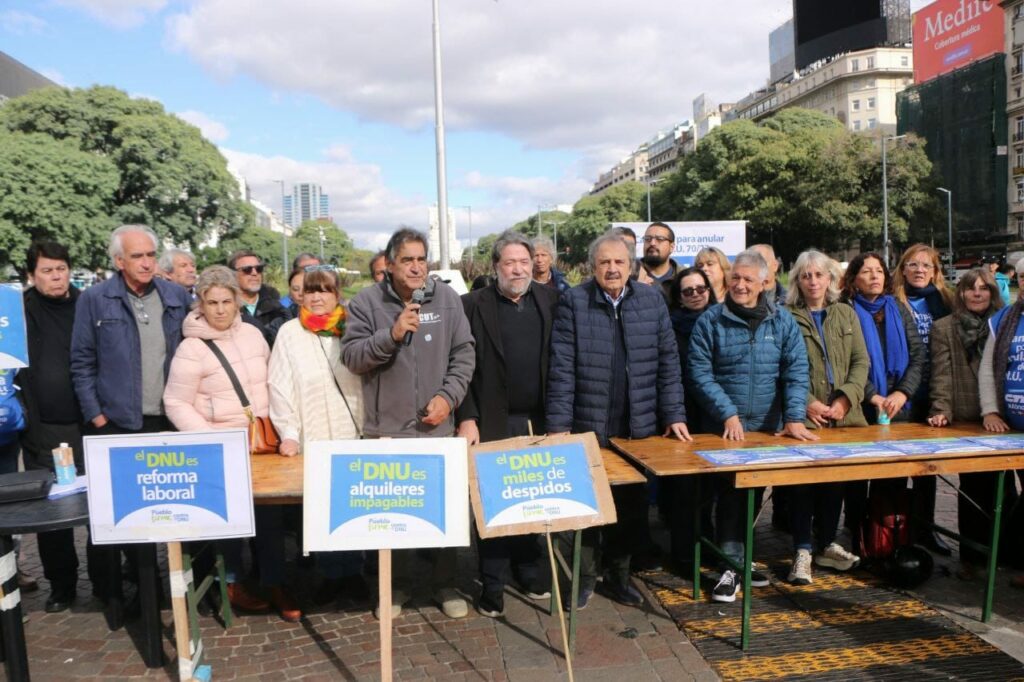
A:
540, 95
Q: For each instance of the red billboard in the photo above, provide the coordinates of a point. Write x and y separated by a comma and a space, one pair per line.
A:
949, 34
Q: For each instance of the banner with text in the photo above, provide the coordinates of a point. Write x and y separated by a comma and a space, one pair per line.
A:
169, 487
728, 236
13, 341
950, 34
529, 485
385, 494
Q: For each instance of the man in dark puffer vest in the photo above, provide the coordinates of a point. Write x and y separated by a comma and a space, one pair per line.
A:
614, 370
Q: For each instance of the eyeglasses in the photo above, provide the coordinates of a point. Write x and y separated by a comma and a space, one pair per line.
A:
699, 290
249, 269
653, 238
920, 266
140, 311
319, 268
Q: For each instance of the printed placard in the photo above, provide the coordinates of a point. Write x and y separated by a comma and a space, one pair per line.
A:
13, 338
936, 446
169, 487
531, 485
728, 236
385, 494
1006, 441
763, 455
828, 451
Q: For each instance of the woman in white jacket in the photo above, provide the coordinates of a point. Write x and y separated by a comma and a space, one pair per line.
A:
199, 396
314, 397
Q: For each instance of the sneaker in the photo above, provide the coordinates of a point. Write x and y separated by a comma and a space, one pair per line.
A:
453, 605
622, 592
725, 590
533, 589
838, 558
582, 597
243, 600
759, 578
398, 600
800, 574
491, 604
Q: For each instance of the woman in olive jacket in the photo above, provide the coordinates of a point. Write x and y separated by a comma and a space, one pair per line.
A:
838, 362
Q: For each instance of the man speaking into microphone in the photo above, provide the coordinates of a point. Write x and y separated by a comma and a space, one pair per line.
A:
407, 337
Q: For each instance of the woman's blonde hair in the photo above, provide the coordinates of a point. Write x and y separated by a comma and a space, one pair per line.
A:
815, 258
723, 261
899, 282
216, 276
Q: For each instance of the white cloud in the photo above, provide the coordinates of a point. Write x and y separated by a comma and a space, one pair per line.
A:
574, 74
212, 130
21, 23
117, 13
56, 76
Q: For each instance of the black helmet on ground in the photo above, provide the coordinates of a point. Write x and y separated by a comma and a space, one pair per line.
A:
910, 566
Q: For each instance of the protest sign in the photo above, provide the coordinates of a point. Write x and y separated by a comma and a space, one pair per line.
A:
728, 236
167, 487
538, 484
13, 341
385, 494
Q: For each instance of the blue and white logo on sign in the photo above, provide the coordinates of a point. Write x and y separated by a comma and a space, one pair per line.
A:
13, 343
169, 483
390, 494
535, 484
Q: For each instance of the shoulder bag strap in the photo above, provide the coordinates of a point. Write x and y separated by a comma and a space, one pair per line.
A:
359, 429
231, 375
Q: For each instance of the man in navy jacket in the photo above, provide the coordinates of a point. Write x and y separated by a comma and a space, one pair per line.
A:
614, 370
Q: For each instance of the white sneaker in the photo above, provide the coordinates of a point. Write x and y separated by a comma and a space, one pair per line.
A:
726, 588
800, 574
452, 604
398, 600
838, 558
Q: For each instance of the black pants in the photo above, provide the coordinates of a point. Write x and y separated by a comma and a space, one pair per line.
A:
976, 525
681, 500
608, 549
814, 507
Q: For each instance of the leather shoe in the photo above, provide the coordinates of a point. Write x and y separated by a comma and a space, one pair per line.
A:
285, 606
244, 600
59, 600
935, 543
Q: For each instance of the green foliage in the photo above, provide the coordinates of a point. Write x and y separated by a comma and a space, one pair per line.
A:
592, 216
800, 179
165, 174
337, 243
51, 190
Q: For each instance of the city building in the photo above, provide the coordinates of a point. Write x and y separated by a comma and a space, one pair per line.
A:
822, 30
781, 52
666, 149
858, 88
1014, 47
632, 168
16, 79
268, 220
434, 235
306, 202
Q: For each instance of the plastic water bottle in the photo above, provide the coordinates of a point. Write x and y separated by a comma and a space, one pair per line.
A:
883, 418
64, 464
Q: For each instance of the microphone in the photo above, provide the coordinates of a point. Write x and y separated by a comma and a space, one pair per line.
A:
417, 298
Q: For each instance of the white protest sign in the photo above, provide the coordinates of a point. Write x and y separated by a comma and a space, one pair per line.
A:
169, 487
729, 236
385, 494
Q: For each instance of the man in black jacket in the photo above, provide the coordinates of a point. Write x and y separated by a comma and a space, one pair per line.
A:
511, 324
261, 303
52, 411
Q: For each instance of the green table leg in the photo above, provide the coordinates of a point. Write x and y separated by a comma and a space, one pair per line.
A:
748, 559
993, 552
696, 538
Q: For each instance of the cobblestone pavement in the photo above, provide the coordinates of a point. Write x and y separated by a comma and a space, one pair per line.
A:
614, 642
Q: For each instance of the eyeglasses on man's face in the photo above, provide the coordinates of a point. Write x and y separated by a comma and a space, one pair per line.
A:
250, 269
649, 238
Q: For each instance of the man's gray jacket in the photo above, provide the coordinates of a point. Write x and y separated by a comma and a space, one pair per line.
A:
400, 380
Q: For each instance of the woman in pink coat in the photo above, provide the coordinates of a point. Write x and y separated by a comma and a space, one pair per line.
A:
199, 396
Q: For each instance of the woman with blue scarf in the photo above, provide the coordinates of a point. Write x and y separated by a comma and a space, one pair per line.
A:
918, 284
898, 359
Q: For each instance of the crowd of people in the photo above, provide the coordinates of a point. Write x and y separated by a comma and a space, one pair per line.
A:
644, 347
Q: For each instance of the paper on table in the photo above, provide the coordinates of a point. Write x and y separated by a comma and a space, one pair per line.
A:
1009, 441
847, 450
753, 455
77, 486
930, 446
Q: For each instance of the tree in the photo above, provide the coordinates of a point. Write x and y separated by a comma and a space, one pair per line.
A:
800, 179
336, 245
592, 216
167, 175
51, 190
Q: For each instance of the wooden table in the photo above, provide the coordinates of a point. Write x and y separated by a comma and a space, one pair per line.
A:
665, 457
278, 480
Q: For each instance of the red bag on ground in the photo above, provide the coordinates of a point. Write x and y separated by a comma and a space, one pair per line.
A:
887, 524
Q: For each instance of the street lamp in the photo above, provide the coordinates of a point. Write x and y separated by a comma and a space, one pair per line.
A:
649, 183
949, 220
885, 200
284, 233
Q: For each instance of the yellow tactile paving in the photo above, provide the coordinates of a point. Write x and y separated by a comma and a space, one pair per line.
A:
831, 660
